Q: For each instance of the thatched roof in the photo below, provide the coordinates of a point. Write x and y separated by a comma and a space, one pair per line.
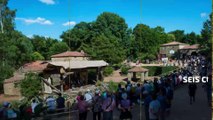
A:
138, 69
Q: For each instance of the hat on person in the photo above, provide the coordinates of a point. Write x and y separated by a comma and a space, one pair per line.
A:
88, 90
97, 91
6, 104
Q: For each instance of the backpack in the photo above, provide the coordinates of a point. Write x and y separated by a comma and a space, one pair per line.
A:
11, 113
97, 106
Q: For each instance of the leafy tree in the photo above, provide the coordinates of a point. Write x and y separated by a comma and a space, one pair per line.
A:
58, 47
206, 37
192, 38
106, 38
6, 17
110, 23
144, 41
81, 33
37, 56
179, 35
31, 85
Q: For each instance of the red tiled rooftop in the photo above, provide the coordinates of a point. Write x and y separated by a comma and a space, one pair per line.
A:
16, 77
172, 43
37, 66
70, 54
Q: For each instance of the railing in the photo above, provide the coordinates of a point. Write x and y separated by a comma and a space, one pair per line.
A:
63, 113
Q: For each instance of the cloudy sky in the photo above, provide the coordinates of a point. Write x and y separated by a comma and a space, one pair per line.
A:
51, 17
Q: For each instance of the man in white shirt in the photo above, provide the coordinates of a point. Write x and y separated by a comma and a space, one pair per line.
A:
33, 105
88, 96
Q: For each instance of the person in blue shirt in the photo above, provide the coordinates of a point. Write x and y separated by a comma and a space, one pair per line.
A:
60, 103
147, 100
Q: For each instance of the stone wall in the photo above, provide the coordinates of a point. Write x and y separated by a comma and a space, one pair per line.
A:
10, 89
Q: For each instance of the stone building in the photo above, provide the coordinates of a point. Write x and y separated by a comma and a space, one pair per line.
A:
64, 71
169, 49
11, 84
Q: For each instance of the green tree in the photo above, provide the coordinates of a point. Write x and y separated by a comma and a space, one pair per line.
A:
145, 42
37, 56
179, 35
31, 85
80, 34
192, 38
59, 47
206, 37
6, 17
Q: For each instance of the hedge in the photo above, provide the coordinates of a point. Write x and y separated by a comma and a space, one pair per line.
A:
158, 70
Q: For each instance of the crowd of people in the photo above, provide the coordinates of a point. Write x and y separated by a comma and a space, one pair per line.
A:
37, 108
155, 96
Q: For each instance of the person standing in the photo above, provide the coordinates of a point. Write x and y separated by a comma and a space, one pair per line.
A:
51, 104
163, 102
147, 100
96, 109
192, 91
82, 106
154, 108
108, 107
125, 107
33, 105
60, 103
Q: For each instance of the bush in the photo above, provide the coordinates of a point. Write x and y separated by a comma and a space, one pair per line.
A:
117, 66
159, 70
108, 71
124, 69
113, 86
31, 85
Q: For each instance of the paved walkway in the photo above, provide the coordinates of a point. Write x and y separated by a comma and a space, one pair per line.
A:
182, 110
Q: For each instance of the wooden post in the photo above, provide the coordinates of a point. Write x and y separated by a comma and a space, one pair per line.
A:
134, 75
142, 76
129, 76
62, 88
97, 74
101, 74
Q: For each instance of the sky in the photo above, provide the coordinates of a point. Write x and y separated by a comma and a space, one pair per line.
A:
50, 18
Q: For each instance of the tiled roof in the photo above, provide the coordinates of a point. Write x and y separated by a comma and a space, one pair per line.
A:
196, 46
16, 77
70, 54
172, 43
138, 69
79, 64
37, 66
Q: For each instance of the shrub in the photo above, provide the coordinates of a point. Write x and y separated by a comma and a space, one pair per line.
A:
159, 70
113, 86
31, 85
117, 66
108, 71
124, 69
